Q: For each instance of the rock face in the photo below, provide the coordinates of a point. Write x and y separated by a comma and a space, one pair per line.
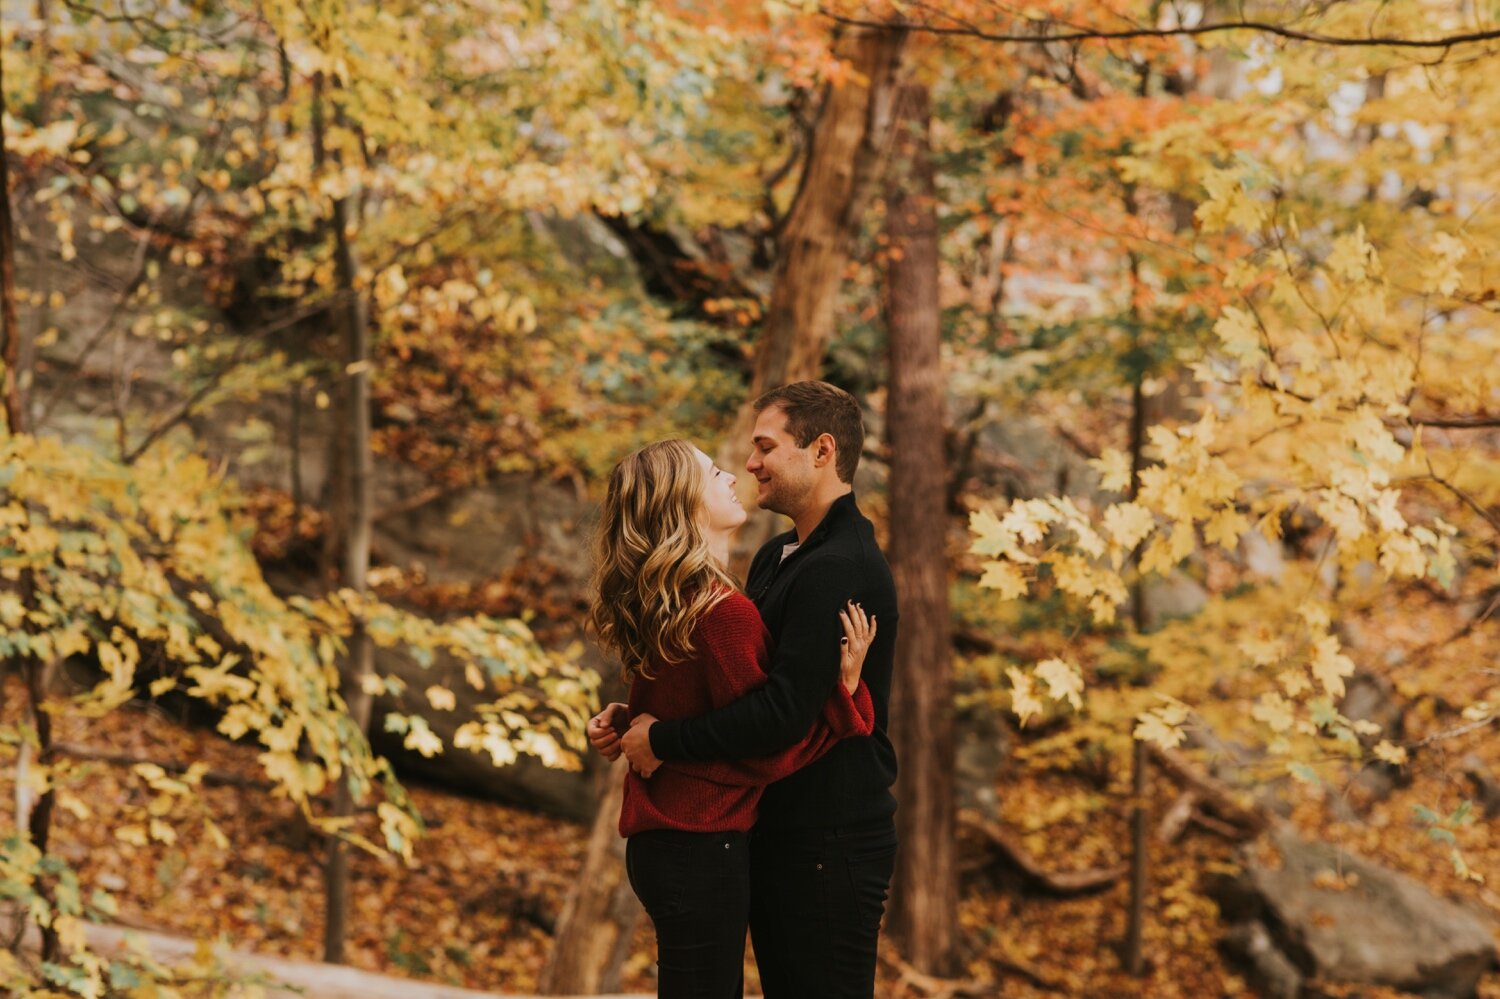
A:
526, 782
1312, 911
982, 748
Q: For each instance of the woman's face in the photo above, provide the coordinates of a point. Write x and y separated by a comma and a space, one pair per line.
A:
720, 509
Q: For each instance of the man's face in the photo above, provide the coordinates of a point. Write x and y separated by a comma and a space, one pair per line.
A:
784, 472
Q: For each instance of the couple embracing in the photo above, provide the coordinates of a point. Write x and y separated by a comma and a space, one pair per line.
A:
759, 790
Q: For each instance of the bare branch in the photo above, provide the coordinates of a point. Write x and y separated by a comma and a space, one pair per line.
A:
1212, 793
1469, 501
1456, 422
1043, 37
1008, 845
1455, 732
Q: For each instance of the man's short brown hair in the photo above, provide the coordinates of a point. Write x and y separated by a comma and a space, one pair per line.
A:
815, 408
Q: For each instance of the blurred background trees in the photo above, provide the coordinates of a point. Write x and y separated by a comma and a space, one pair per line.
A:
1177, 336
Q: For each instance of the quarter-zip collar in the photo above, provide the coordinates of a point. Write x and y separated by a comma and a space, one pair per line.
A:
842, 509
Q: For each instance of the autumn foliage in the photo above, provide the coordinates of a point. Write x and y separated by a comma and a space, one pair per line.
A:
1218, 317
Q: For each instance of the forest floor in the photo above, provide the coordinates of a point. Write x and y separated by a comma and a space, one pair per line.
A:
474, 907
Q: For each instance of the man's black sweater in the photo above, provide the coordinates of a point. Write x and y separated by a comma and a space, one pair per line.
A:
799, 600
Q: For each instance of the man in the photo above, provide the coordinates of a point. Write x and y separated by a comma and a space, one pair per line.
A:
823, 848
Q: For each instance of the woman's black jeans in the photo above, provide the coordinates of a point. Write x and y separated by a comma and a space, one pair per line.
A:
696, 889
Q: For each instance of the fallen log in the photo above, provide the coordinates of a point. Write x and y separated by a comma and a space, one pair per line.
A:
1213, 794
292, 977
1056, 882
932, 987
211, 778
1177, 818
1230, 832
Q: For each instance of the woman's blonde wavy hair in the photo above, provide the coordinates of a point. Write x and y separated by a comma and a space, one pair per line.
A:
654, 577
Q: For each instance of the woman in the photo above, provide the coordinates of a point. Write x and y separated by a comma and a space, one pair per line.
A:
689, 642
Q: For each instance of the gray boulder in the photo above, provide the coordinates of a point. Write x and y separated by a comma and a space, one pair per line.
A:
1336, 917
982, 748
526, 783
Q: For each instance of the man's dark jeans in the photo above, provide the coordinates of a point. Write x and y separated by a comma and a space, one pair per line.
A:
816, 906
696, 889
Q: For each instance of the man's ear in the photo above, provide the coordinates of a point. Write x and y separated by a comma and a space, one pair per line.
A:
825, 449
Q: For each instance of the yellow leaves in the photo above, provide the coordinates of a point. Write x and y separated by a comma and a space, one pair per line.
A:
1027, 520
53, 140
70, 933
1478, 711
119, 662
1241, 274
74, 806
283, 738
1228, 203
1353, 258
1330, 666
1440, 272
135, 835
1342, 514
1402, 555
1372, 439
390, 287
1064, 681
1239, 334
297, 779
1162, 725
1073, 575
1023, 697
520, 316
1388, 752
12, 974
219, 681
1263, 646
12, 611
991, 536
1275, 712
1113, 467
488, 737
240, 719
441, 698
420, 737
546, 749
1225, 527
1128, 524
1294, 682
1004, 577
399, 828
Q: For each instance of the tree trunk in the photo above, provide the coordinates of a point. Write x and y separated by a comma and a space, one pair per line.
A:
35, 815
1135, 961
597, 924
25, 361
10, 326
354, 331
846, 155
924, 912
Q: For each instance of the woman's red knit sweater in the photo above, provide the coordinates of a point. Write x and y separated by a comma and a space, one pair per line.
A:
731, 649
